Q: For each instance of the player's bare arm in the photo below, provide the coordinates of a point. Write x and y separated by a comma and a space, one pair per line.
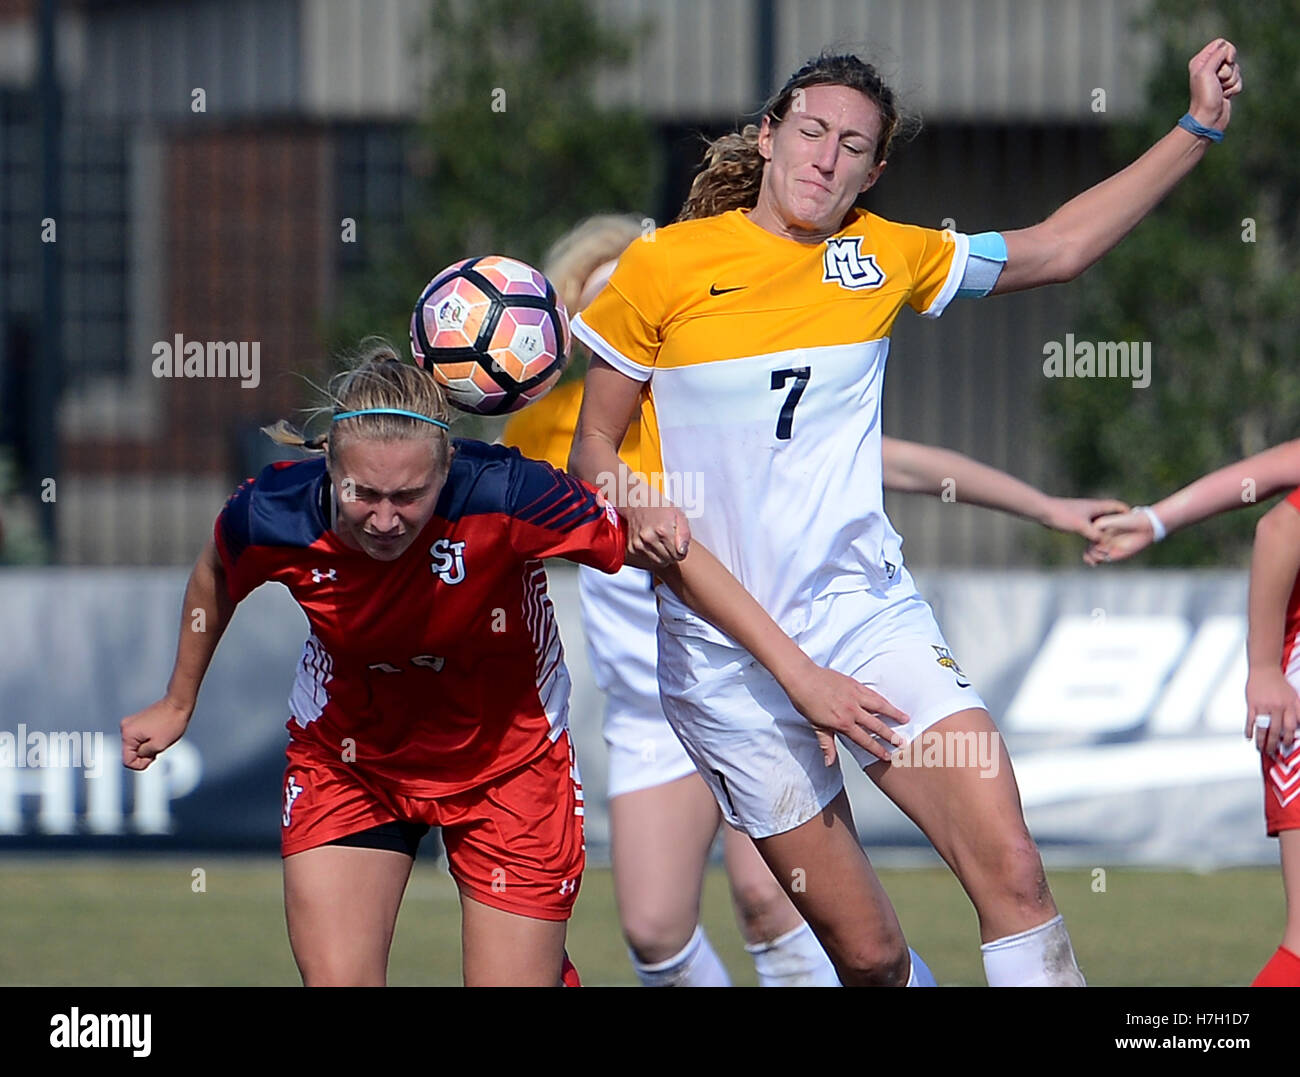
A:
656, 537
1246, 482
925, 469
1274, 565
1086, 227
207, 611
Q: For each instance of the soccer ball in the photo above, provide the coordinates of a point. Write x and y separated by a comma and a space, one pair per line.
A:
492, 332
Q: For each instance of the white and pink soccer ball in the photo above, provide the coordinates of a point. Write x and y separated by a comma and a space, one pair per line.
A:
492, 332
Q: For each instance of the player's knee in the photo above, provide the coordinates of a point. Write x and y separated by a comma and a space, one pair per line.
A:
886, 964
761, 906
1010, 873
338, 966
342, 975
653, 939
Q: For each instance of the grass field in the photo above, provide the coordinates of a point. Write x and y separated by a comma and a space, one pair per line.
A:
137, 921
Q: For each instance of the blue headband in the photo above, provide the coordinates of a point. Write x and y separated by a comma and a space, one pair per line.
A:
389, 411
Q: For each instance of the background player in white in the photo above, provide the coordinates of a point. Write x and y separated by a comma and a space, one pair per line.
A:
1272, 706
663, 819
780, 211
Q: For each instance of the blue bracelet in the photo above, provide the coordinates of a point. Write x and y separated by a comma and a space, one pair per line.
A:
1200, 130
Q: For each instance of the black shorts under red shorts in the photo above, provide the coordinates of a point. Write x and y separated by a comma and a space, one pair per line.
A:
514, 843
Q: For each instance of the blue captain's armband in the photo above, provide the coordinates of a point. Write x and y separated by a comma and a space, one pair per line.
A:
988, 254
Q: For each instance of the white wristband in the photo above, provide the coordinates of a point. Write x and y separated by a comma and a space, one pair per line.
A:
1158, 530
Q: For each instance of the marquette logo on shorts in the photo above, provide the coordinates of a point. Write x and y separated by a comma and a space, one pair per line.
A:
952, 748
944, 658
845, 264
292, 790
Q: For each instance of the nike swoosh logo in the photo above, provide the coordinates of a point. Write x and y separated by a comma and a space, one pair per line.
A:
715, 290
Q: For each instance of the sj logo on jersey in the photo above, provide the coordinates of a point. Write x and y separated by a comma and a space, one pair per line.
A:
845, 265
448, 560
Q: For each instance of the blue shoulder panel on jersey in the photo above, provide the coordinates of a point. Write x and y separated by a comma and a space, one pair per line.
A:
988, 254
479, 480
497, 479
282, 507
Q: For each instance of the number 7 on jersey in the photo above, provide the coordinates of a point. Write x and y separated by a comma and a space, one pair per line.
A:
785, 420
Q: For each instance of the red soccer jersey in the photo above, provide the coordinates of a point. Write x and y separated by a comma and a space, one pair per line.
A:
443, 669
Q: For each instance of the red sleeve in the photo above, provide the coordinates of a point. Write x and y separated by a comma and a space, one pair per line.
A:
1294, 497
553, 514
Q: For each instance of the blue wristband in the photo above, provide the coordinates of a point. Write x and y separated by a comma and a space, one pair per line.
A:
1200, 130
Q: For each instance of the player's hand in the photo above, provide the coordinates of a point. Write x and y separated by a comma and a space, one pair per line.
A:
656, 537
836, 704
1121, 535
150, 731
1215, 78
1077, 515
1268, 692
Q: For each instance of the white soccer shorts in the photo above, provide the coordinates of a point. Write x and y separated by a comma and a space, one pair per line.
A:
758, 754
620, 615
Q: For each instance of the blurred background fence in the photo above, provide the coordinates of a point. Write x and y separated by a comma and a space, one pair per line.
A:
211, 154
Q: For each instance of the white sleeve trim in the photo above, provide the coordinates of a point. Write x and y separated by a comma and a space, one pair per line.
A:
955, 273
612, 356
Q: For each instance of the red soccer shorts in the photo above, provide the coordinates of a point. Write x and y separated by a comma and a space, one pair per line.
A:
514, 843
1282, 790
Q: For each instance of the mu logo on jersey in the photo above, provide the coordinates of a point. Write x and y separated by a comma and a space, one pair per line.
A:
944, 657
844, 264
448, 560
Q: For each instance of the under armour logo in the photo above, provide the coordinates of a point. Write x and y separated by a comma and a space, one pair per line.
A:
292, 790
568, 886
845, 265
317, 576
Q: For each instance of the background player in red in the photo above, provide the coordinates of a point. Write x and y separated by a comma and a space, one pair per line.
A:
1272, 706
432, 689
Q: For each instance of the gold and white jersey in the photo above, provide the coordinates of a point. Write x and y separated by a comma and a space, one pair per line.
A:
765, 360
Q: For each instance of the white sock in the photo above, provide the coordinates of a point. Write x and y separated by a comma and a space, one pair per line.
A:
1039, 957
795, 959
696, 965
920, 976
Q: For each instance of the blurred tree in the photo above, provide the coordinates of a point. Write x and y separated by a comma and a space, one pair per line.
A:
1211, 279
21, 541
515, 147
